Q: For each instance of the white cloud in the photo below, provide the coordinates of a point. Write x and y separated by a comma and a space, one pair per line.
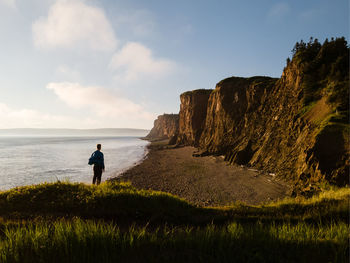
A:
73, 23
279, 10
135, 61
29, 118
100, 107
8, 3
99, 101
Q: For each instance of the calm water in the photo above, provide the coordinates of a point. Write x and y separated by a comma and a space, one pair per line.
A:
31, 160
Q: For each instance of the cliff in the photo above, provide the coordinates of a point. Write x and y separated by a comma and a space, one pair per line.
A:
296, 127
193, 111
165, 127
234, 114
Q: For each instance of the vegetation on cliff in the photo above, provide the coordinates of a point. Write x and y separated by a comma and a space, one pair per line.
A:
63, 222
326, 72
325, 86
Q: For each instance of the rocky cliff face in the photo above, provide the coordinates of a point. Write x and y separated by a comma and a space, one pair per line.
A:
234, 111
193, 111
165, 127
296, 127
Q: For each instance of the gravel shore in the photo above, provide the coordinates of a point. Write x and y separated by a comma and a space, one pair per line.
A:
204, 181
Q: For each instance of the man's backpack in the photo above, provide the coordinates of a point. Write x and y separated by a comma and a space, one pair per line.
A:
92, 160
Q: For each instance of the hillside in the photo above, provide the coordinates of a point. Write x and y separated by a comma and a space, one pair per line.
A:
65, 222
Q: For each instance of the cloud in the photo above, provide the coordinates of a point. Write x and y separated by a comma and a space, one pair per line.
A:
100, 101
135, 61
8, 3
29, 118
100, 107
279, 10
71, 24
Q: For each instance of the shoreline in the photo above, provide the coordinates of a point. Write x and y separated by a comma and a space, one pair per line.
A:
118, 174
203, 181
53, 164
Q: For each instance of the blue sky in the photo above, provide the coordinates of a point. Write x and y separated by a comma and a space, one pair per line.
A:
100, 63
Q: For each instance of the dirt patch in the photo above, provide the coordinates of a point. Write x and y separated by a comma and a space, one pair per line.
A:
205, 181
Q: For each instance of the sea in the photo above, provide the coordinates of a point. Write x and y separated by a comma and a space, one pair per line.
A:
26, 160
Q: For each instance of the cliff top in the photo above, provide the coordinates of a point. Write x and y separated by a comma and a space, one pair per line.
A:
254, 79
196, 92
168, 115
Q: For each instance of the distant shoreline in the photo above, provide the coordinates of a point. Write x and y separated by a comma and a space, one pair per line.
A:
74, 132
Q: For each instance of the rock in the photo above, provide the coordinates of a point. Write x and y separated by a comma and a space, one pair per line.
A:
233, 109
193, 111
173, 139
166, 126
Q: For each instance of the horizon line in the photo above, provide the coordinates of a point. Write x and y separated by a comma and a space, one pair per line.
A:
74, 129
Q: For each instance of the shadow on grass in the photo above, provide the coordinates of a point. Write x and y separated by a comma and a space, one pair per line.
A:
123, 203
109, 201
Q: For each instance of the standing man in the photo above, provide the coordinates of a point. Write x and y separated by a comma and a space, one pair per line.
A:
99, 165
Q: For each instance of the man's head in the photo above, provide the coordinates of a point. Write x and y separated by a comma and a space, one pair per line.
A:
98, 146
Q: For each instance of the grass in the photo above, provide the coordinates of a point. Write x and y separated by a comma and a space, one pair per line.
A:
114, 222
91, 241
122, 202
107, 201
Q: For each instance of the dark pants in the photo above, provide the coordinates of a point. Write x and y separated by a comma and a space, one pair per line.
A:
97, 175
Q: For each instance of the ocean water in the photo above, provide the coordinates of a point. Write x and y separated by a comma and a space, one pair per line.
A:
32, 160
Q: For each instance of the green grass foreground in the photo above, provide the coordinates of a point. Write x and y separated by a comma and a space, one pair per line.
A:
114, 222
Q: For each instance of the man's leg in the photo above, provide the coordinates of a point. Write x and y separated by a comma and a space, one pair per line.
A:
95, 174
99, 175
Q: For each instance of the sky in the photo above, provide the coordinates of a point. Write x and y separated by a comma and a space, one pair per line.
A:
120, 64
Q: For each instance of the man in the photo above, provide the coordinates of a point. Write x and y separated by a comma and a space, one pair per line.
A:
99, 166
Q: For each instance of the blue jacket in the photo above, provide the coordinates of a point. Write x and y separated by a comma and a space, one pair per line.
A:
98, 159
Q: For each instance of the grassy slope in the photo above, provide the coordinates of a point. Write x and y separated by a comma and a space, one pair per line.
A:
65, 222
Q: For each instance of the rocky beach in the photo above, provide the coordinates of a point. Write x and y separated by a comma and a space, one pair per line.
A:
204, 181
